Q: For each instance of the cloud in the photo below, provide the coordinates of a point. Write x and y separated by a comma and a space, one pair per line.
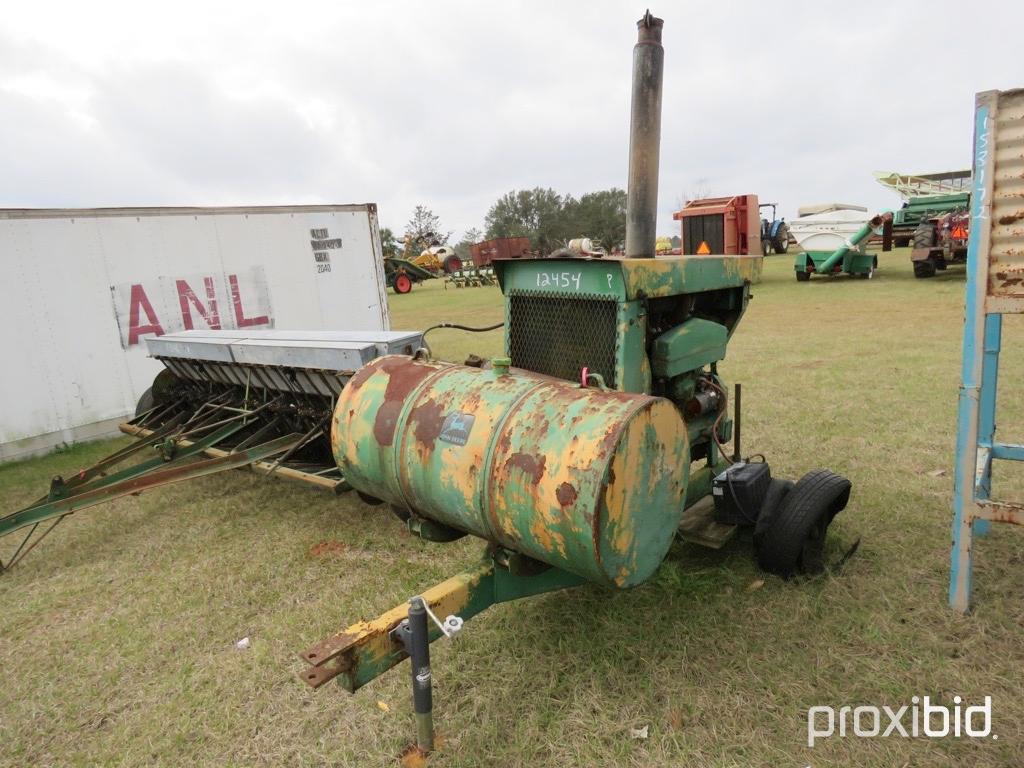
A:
451, 104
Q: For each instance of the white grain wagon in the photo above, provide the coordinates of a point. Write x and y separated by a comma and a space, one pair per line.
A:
81, 290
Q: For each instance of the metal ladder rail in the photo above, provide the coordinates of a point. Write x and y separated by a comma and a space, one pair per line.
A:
976, 446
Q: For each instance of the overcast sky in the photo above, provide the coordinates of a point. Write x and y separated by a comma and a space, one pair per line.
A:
451, 104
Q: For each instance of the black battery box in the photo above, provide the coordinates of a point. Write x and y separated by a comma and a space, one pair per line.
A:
739, 492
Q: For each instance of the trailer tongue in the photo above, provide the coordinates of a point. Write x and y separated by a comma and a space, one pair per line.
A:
224, 400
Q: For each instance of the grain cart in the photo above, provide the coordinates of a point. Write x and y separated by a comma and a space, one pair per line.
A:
832, 243
583, 453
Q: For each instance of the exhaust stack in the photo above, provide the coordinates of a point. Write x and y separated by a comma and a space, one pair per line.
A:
644, 139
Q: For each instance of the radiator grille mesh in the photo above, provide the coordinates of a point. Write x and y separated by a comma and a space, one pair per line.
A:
559, 334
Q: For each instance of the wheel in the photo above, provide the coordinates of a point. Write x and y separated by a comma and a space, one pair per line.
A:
794, 540
924, 235
778, 489
867, 275
146, 402
781, 240
452, 264
766, 246
802, 277
924, 268
403, 283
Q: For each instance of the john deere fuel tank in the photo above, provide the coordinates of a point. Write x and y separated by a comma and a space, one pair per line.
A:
587, 480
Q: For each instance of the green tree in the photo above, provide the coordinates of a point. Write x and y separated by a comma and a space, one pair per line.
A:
388, 244
471, 237
601, 216
424, 230
534, 213
550, 219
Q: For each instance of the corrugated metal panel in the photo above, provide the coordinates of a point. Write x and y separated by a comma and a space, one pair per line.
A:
1006, 250
84, 289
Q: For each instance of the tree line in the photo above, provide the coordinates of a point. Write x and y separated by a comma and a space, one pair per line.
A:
548, 218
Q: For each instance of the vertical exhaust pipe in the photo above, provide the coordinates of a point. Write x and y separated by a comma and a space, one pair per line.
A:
644, 139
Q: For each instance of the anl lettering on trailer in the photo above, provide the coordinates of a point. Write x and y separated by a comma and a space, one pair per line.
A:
233, 300
119, 277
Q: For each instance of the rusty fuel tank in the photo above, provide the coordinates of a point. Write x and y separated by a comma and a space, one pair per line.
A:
587, 480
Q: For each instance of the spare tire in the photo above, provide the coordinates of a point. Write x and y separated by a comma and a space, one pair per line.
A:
793, 541
777, 492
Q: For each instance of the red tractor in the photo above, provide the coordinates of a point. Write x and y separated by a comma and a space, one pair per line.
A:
940, 241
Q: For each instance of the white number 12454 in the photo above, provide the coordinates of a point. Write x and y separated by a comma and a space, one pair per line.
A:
558, 280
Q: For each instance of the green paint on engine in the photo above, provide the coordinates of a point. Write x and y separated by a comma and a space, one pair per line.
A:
687, 347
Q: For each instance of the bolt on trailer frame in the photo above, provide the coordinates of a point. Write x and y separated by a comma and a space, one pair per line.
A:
995, 286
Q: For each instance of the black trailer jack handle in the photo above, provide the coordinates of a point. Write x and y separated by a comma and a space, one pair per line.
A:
413, 634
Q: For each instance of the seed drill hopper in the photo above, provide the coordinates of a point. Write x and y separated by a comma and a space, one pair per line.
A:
224, 400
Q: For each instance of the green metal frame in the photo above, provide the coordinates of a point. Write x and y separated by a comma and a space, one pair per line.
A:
176, 462
851, 263
717, 286
632, 283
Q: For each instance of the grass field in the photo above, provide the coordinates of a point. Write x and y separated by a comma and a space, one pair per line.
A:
117, 636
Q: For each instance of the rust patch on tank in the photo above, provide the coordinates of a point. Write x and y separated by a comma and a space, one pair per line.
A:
428, 418
403, 378
566, 494
360, 377
529, 464
1006, 220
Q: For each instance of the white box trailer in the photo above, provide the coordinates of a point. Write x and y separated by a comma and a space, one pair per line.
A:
82, 289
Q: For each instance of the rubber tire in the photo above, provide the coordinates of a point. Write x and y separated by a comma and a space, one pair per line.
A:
924, 235
766, 246
452, 264
781, 240
146, 403
778, 489
802, 277
793, 543
923, 269
402, 284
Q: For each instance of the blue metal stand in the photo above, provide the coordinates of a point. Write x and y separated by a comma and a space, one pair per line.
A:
995, 266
